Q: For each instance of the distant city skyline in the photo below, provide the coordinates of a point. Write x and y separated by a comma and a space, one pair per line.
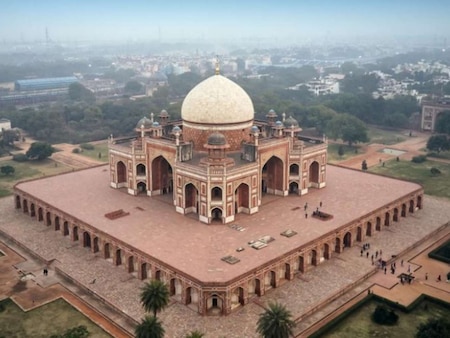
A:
113, 20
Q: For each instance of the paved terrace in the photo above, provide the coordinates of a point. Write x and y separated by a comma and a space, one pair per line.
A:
300, 295
184, 243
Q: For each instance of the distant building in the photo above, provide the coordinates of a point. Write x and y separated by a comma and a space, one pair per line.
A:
431, 110
5, 124
44, 84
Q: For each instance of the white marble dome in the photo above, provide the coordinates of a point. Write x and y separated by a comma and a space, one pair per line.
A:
217, 100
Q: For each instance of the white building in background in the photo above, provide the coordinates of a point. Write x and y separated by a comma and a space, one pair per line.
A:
321, 86
5, 124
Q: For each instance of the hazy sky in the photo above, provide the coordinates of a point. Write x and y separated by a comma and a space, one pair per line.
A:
208, 19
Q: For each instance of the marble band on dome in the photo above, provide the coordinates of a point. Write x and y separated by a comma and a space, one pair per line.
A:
215, 126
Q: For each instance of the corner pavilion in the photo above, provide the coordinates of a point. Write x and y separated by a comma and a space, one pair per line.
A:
217, 204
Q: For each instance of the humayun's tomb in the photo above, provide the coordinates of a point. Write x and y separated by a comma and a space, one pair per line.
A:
220, 206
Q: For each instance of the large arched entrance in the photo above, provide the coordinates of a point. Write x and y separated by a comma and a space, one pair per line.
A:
293, 188
241, 197
214, 305
190, 199
161, 175
270, 280
141, 188
121, 170
237, 298
314, 174
272, 176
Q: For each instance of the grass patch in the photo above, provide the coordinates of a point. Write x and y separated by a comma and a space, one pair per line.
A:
388, 137
52, 318
99, 148
443, 154
437, 185
28, 170
359, 323
349, 152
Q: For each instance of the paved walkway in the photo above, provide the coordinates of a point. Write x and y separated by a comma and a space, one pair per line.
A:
328, 280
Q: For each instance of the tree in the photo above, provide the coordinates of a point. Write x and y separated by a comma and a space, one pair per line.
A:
195, 334
384, 315
78, 92
7, 170
154, 296
434, 328
149, 327
40, 151
341, 151
347, 127
275, 322
438, 143
133, 87
443, 122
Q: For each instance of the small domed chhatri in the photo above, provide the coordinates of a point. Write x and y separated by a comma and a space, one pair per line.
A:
144, 122
217, 139
290, 122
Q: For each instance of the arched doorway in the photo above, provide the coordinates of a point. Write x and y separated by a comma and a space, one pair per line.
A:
40, 215
337, 246
96, 246
130, 264
242, 198
48, 217
293, 188
57, 226
65, 226
216, 215
32, 210
121, 170
192, 297
75, 233
118, 260
395, 217
141, 188
387, 219
107, 251
270, 280
403, 210
301, 264
359, 234
190, 198
141, 170
378, 224
272, 176
216, 194
287, 271
25, 206
348, 240
86, 240
161, 175
214, 305
237, 298
419, 202
369, 229
258, 287
411, 206
326, 251
294, 170
314, 174
313, 257
144, 269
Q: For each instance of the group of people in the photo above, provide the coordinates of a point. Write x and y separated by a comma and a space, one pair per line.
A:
317, 212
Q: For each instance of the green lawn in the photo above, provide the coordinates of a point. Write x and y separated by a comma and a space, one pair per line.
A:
333, 148
443, 154
388, 137
99, 148
52, 318
359, 323
27, 170
438, 185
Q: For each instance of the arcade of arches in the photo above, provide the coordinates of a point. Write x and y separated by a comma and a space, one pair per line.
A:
218, 299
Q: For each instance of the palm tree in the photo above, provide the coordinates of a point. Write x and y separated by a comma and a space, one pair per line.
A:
154, 296
195, 334
149, 327
275, 322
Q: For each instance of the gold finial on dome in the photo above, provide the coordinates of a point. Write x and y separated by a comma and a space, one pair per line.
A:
217, 65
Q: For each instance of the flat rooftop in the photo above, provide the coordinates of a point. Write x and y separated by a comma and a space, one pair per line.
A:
155, 228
